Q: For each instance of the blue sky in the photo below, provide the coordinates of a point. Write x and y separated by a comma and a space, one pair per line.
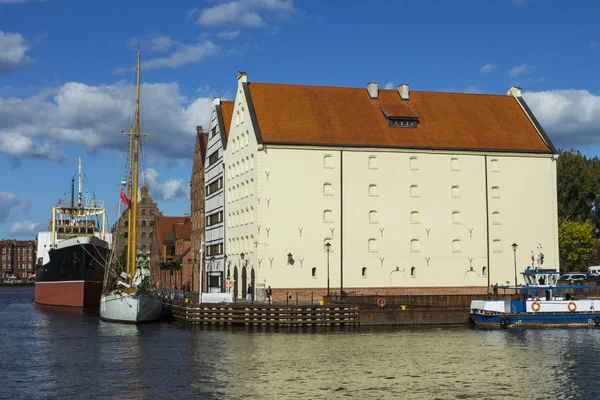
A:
66, 79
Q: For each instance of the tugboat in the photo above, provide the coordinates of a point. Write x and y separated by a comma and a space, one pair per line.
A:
541, 302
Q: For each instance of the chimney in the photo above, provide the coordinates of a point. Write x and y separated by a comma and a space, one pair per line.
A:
514, 91
216, 101
242, 76
403, 91
198, 129
373, 90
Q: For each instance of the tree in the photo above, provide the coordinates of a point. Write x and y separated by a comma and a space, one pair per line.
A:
578, 184
577, 244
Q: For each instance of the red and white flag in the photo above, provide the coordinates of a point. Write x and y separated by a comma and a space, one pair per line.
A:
124, 198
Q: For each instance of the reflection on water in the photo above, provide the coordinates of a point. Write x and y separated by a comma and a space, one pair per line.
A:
69, 353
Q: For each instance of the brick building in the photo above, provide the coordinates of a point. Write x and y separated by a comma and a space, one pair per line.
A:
17, 258
197, 192
147, 210
170, 257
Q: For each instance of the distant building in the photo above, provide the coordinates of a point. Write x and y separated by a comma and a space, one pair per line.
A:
147, 209
170, 258
384, 191
214, 253
17, 258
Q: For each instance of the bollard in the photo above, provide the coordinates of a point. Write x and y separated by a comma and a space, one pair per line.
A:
296, 298
312, 295
287, 299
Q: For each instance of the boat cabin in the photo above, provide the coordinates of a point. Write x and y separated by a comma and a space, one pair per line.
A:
540, 277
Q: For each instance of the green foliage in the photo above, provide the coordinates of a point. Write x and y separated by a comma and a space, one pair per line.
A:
578, 181
577, 244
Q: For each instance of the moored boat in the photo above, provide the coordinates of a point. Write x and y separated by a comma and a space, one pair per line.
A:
128, 296
541, 302
73, 253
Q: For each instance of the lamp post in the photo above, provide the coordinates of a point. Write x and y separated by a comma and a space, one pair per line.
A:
211, 267
192, 262
514, 247
243, 270
327, 247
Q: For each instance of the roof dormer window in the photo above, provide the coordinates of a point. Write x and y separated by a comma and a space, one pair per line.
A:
401, 122
400, 115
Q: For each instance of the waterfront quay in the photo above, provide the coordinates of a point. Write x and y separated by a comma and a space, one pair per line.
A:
358, 310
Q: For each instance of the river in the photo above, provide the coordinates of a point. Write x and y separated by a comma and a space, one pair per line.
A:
50, 353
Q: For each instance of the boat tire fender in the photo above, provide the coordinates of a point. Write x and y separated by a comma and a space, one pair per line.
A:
597, 320
572, 307
381, 302
505, 322
536, 306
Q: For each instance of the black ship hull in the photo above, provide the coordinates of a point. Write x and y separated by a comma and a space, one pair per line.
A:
74, 275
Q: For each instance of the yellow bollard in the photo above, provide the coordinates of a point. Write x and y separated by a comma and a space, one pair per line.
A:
403, 308
321, 302
187, 300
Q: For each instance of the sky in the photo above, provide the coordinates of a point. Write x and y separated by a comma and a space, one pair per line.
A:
67, 79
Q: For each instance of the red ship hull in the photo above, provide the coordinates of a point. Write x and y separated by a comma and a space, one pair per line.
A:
69, 293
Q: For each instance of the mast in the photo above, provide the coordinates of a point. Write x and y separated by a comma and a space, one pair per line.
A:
72, 192
129, 236
136, 143
79, 202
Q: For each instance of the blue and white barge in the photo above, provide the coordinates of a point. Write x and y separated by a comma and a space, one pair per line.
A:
541, 302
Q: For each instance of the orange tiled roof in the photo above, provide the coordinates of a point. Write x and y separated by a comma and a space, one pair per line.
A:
349, 117
165, 225
183, 229
227, 110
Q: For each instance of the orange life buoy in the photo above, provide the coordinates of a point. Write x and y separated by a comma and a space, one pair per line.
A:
535, 306
381, 302
572, 306
228, 284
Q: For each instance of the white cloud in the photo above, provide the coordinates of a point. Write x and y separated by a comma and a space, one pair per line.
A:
519, 2
595, 44
229, 34
486, 69
8, 200
16, 1
90, 117
13, 47
182, 55
244, 13
472, 89
25, 228
519, 70
172, 189
389, 85
570, 117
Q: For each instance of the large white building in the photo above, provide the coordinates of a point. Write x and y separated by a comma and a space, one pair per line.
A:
214, 261
415, 192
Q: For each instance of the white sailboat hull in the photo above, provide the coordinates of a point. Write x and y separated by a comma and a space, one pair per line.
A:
130, 308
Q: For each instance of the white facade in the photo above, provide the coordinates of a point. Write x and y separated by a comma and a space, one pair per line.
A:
394, 217
214, 203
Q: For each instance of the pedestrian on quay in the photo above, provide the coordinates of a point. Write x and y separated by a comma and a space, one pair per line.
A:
249, 293
269, 294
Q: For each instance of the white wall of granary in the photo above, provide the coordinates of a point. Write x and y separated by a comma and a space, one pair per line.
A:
394, 217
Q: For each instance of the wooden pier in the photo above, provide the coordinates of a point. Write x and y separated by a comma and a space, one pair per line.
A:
263, 314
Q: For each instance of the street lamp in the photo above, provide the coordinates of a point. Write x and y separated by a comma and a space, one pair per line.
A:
514, 247
327, 247
190, 262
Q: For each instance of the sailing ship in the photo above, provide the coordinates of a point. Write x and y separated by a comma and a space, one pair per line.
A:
128, 297
73, 252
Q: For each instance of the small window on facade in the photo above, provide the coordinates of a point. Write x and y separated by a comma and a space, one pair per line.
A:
484, 271
456, 217
151, 212
328, 161
415, 217
455, 191
495, 163
373, 217
373, 245
413, 272
413, 163
454, 164
327, 241
247, 140
415, 245
364, 272
314, 272
373, 191
497, 246
327, 216
495, 192
414, 191
143, 235
143, 211
144, 223
125, 235
373, 162
496, 218
327, 189
456, 245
